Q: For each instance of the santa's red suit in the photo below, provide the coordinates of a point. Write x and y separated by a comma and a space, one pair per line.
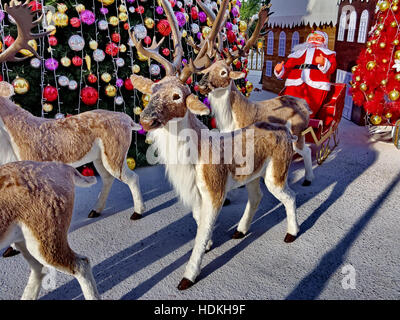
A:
307, 79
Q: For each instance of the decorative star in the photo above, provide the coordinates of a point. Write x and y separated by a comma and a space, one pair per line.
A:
396, 65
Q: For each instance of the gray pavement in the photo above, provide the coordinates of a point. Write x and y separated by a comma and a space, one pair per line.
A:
349, 221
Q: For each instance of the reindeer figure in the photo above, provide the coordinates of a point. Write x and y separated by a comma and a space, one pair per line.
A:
99, 136
234, 111
36, 205
201, 184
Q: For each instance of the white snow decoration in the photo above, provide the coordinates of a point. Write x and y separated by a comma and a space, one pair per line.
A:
396, 65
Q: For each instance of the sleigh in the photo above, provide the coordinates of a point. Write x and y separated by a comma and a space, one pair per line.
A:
323, 128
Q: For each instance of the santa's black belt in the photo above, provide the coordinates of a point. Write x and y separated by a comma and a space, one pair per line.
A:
306, 66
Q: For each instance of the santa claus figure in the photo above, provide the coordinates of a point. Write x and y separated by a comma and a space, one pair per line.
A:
308, 70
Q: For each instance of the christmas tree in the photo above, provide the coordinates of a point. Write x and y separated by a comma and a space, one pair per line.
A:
89, 57
376, 77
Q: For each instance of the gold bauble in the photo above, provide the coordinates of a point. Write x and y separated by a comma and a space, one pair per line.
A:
52, 29
393, 24
27, 53
122, 48
136, 68
354, 69
369, 44
384, 61
111, 90
184, 33
145, 99
60, 19
65, 61
395, 8
47, 107
370, 96
123, 16
377, 32
61, 7
380, 27
373, 41
384, 82
142, 57
137, 110
209, 22
397, 55
249, 86
131, 163
122, 8
369, 50
79, 8
242, 26
371, 65
106, 2
358, 78
106, 77
382, 45
375, 120
396, 42
363, 87
384, 5
395, 2
388, 115
186, 17
397, 76
205, 31
149, 23
113, 21
93, 44
20, 85
394, 95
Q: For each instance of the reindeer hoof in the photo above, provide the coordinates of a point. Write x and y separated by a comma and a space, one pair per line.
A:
185, 284
289, 238
10, 252
306, 183
227, 202
136, 216
238, 235
93, 214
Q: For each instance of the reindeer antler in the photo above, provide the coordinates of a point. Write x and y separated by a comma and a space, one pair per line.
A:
154, 51
263, 17
24, 18
207, 49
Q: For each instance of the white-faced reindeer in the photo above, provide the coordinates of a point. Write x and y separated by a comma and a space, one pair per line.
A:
234, 111
99, 136
201, 184
36, 205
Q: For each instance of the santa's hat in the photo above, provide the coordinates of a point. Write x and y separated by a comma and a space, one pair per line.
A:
321, 33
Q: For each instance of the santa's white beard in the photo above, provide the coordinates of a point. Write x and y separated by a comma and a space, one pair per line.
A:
308, 45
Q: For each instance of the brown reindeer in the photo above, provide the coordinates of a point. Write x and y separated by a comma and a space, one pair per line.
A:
234, 111
36, 205
202, 183
99, 136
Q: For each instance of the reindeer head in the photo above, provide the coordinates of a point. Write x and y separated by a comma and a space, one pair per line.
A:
171, 98
220, 74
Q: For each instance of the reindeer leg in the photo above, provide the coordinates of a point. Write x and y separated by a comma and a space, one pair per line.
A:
255, 195
32, 288
301, 148
107, 180
196, 216
84, 275
204, 232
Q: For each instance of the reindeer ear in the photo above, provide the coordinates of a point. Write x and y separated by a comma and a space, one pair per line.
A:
136, 126
6, 89
142, 84
196, 106
236, 75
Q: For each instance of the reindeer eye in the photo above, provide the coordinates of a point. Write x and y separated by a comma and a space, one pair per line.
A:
224, 73
176, 97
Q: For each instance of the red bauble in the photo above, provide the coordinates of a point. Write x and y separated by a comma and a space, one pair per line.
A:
75, 22
163, 27
112, 49
35, 6
234, 48
238, 65
196, 87
92, 78
194, 12
8, 40
77, 61
89, 96
53, 41
243, 90
165, 52
50, 93
128, 84
213, 123
140, 9
172, 2
189, 81
126, 26
231, 36
147, 40
116, 37
87, 172
1, 77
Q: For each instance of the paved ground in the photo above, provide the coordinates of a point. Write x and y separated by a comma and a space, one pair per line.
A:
349, 218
